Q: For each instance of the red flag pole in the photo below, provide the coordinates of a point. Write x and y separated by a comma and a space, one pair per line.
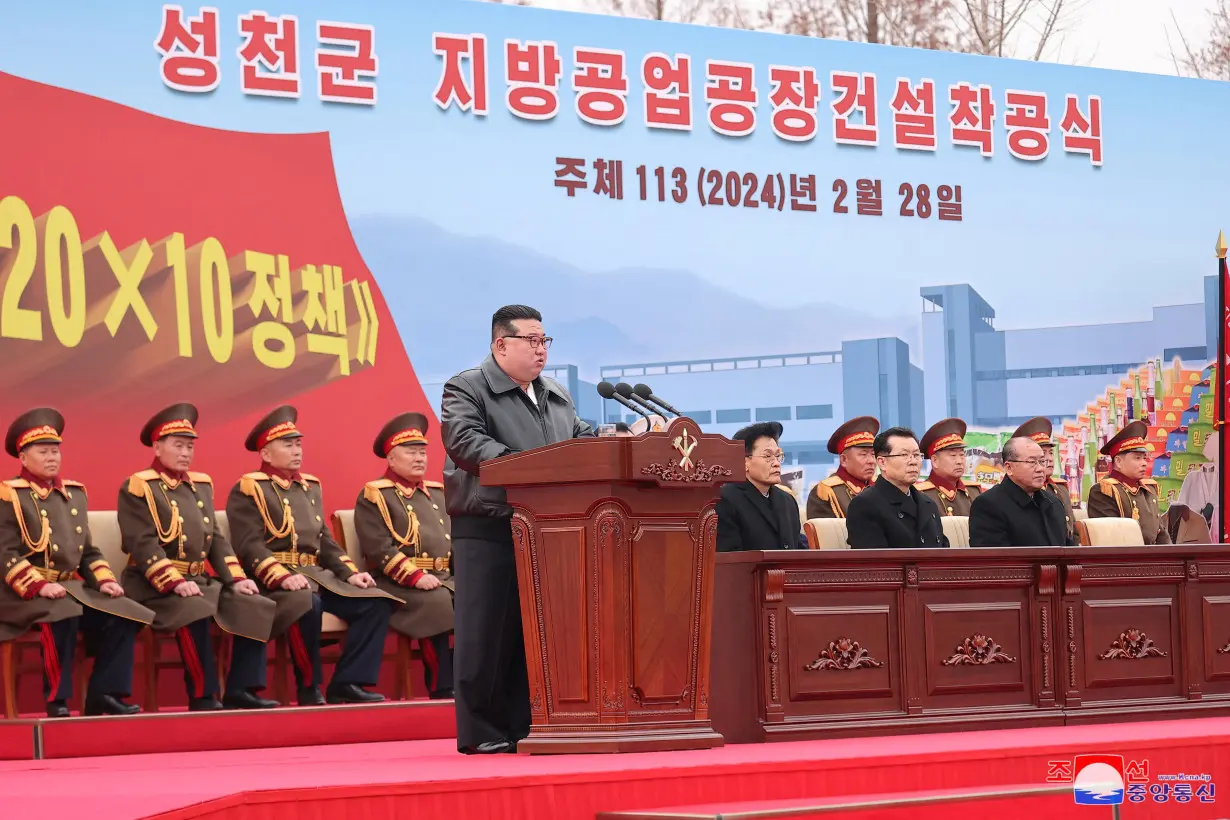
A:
1222, 393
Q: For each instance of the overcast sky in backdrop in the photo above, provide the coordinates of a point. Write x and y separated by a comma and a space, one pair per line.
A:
1122, 34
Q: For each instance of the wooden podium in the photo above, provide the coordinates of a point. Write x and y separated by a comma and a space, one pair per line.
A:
615, 543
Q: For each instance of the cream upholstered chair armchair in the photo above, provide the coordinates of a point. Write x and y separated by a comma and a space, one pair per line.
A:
1110, 532
826, 534
956, 528
346, 534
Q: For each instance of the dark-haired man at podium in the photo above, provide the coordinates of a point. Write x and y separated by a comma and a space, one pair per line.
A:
503, 406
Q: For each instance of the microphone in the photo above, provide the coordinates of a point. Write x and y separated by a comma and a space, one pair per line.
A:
626, 391
607, 391
644, 392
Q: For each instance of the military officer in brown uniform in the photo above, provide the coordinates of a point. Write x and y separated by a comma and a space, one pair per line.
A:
279, 531
166, 516
1039, 429
56, 580
856, 467
403, 528
1126, 492
944, 445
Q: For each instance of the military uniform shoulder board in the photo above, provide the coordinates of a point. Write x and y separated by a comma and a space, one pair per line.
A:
311, 478
6, 492
371, 490
138, 483
833, 481
923, 486
247, 484
1108, 485
200, 478
436, 484
1148, 482
70, 483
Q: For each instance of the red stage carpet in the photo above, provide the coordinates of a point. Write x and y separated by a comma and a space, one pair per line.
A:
428, 779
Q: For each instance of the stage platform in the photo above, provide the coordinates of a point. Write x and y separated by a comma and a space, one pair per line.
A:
428, 778
181, 731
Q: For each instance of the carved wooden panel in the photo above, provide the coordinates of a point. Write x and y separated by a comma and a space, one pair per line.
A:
845, 652
567, 583
664, 591
1131, 644
1215, 615
977, 651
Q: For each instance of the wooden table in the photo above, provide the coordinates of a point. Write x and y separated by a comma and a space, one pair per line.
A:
822, 643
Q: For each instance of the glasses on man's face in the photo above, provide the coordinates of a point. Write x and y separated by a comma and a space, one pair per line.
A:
1032, 462
913, 456
771, 456
535, 341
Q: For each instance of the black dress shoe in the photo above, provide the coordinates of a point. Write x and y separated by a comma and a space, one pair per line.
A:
247, 700
109, 705
491, 747
204, 705
56, 709
310, 696
442, 694
352, 693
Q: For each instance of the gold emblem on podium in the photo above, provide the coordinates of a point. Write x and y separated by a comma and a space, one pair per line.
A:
685, 444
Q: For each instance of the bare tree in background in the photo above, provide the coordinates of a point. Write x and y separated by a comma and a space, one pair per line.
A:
1029, 29
728, 13
917, 23
1212, 60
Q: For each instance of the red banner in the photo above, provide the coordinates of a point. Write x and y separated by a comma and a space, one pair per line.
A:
145, 261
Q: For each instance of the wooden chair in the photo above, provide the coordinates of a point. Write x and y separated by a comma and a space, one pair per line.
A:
406, 653
23, 655
826, 534
1110, 532
15, 661
956, 527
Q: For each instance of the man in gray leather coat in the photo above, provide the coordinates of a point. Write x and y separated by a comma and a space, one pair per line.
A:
502, 406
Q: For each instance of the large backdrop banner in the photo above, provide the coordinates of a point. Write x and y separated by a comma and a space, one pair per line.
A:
322, 202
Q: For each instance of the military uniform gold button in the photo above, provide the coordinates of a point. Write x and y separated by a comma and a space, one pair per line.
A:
441, 520
43, 513
435, 506
55, 547
73, 511
79, 529
408, 508
206, 519
318, 518
313, 502
448, 537
200, 504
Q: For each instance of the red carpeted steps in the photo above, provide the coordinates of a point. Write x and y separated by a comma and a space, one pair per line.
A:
1026, 802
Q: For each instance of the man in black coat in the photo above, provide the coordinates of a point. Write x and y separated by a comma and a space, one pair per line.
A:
1017, 512
758, 514
505, 405
892, 513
